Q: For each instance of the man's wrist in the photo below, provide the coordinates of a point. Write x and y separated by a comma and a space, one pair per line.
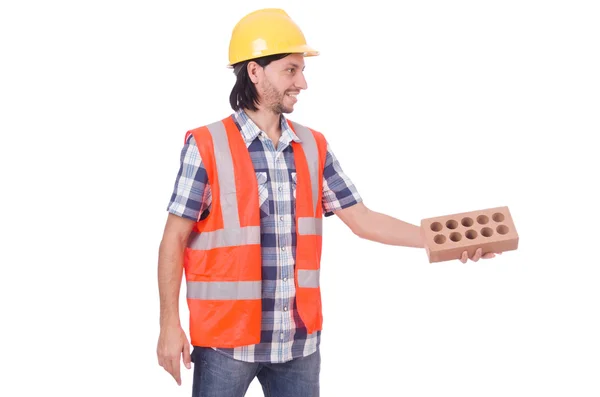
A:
170, 321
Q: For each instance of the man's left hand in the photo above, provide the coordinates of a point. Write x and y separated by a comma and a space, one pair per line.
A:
477, 255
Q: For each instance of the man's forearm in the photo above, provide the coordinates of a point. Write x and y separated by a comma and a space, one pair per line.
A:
170, 270
389, 230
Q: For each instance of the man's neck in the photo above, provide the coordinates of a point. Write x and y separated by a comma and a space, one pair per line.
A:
267, 121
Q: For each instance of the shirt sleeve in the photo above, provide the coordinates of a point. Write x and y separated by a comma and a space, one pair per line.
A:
191, 195
338, 190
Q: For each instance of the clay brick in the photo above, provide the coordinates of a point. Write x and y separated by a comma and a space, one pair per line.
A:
448, 236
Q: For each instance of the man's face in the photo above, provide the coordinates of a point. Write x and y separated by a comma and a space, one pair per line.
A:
280, 83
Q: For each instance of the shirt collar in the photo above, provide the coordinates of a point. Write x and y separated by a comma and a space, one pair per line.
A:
250, 130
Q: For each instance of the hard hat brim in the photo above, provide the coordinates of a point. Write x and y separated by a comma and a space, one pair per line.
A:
301, 49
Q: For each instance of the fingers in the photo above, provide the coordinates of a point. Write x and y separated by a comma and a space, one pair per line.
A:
187, 359
171, 365
167, 365
477, 255
175, 367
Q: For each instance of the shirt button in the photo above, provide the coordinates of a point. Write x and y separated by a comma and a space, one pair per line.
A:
280, 188
281, 218
281, 336
283, 248
285, 308
285, 279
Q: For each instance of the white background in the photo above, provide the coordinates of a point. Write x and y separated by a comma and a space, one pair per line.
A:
432, 107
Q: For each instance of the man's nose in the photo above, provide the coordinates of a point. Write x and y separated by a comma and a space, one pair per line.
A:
301, 81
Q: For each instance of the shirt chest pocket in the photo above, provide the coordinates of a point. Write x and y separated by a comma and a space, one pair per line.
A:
263, 193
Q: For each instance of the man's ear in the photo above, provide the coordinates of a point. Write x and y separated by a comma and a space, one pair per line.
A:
253, 69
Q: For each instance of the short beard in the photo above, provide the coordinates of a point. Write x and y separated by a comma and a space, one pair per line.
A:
273, 99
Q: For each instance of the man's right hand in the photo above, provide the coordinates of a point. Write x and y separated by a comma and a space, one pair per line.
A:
172, 344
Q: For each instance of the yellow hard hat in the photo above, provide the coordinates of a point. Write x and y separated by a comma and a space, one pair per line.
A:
266, 32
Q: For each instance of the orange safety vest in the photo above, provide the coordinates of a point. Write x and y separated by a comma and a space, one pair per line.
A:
222, 259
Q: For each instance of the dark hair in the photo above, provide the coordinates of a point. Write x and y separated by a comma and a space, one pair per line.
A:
244, 95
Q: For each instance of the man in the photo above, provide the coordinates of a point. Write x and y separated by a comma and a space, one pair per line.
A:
245, 223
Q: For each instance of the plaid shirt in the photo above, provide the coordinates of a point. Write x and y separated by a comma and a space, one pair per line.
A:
283, 335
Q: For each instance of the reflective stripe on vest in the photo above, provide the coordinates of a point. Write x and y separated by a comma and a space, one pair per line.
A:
224, 238
229, 205
224, 290
309, 145
308, 278
308, 226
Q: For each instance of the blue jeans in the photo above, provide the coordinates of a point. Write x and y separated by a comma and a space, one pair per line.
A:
216, 375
